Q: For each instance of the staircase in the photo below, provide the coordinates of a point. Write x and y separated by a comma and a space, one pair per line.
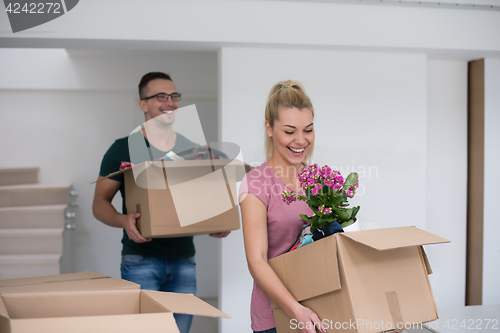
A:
32, 217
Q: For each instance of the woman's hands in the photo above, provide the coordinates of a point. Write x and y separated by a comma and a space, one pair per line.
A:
307, 320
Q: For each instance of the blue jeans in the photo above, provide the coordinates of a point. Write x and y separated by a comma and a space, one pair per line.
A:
271, 330
172, 275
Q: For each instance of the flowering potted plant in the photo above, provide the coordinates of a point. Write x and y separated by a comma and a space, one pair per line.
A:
326, 193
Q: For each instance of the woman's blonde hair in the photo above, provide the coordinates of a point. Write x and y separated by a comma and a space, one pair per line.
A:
286, 94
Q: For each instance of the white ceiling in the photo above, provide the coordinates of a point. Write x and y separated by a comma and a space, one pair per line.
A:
458, 4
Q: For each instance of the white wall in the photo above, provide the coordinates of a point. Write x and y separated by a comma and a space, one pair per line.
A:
61, 110
446, 178
370, 111
267, 23
491, 267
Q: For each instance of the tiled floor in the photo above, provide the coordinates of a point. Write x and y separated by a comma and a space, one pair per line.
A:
206, 324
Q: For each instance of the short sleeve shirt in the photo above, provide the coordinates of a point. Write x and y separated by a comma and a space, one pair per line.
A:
284, 226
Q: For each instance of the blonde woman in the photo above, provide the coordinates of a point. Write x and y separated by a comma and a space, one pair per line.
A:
270, 227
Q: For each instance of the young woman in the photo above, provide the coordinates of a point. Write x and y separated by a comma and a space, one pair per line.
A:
270, 227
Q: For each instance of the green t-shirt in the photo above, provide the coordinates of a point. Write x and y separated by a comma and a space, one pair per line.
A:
168, 248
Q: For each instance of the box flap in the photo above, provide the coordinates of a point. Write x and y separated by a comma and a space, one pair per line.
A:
137, 170
314, 262
241, 167
184, 303
72, 304
3, 309
392, 238
110, 175
426, 261
4, 317
51, 278
105, 283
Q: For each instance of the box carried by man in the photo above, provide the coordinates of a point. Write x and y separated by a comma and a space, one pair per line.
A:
183, 198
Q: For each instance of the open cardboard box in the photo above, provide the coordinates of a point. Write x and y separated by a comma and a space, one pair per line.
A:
361, 281
81, 303
65, 282
183, 198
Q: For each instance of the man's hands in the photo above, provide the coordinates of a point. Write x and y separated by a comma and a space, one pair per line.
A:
220, 234
129, 223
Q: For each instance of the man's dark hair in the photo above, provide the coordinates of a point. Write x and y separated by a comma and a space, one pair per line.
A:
150, 77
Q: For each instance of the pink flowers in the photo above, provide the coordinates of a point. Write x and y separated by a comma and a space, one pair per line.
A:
327, 194
288, 197
324, 210
316, 188
351, 190
314, 176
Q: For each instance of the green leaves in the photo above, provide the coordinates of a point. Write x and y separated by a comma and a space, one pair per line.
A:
309, 219
345, 214
351, 180
339, 199
355, 211
348, 223
313, 201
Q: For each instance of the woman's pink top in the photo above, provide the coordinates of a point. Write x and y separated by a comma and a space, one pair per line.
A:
284, 226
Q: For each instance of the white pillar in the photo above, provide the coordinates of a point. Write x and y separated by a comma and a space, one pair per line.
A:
447, 177
491, 243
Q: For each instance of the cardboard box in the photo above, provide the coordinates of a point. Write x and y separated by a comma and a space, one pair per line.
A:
361, 281
183, 198
84, 302
83, 281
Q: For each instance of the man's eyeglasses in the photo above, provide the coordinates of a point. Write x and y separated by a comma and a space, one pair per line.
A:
162, 97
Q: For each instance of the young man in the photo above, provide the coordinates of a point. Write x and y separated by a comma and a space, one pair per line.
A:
165, 264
